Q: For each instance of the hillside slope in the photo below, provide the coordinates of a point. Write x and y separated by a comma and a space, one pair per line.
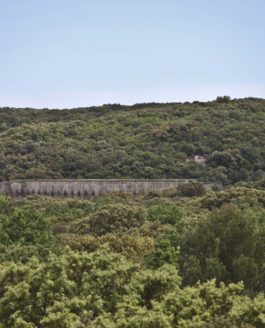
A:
140, 141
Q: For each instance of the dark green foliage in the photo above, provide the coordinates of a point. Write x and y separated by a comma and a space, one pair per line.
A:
24, 233
224, 99
240, 196
141, 141
227, 245
166, 251
191, 189
166, 213
115, 218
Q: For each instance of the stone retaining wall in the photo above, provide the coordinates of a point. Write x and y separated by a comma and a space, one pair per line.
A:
87, 187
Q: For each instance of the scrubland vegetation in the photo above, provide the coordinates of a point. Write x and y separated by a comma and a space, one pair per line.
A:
122, 260
140, 141
187, 258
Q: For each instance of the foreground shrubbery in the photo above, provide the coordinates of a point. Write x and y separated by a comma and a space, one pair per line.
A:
132, 261
103, 289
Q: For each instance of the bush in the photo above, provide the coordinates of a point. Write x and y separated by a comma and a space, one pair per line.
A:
166, 213
191, 189
223, 99
116, 218
24, 233
227, 245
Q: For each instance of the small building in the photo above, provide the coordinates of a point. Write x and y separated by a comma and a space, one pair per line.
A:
201, 159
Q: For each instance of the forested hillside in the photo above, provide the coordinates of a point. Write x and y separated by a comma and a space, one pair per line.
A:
140, 141
187, 257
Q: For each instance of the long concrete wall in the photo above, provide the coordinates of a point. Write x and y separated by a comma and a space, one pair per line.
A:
87, 188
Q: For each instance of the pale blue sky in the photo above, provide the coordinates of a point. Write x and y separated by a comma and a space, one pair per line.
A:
69, 53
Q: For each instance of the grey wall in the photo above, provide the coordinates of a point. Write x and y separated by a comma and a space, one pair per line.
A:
86, 188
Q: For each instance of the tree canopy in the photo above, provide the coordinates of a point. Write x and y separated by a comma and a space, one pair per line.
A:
122, 260
140, 141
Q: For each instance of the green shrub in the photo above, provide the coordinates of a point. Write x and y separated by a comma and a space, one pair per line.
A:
191, 189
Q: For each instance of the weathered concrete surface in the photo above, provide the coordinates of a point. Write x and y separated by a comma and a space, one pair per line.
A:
87, 187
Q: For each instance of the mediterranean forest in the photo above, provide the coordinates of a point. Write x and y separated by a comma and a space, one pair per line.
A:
186, 257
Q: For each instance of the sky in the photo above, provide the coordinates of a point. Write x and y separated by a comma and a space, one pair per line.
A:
77, 53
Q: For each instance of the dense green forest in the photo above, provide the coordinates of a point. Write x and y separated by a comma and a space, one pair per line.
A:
122, 260
184, 258
140, 141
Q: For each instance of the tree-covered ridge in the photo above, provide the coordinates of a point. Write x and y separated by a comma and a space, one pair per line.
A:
140, 141
120, 260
